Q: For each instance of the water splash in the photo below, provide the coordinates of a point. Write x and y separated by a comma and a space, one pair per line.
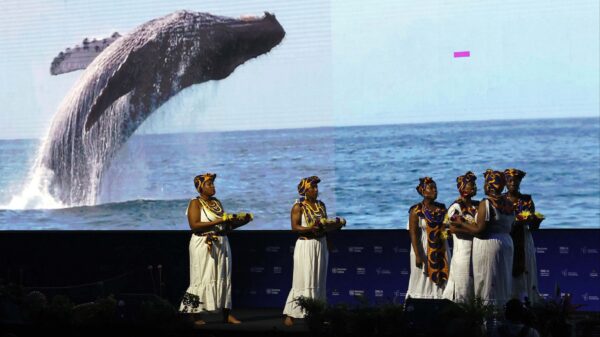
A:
35, 195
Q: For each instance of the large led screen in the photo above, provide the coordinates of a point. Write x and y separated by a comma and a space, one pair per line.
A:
108, 109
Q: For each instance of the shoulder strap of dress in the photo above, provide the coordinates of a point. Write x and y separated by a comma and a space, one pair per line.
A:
206, 211
415, 207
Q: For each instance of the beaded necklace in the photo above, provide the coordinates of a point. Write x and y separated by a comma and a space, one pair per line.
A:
213, 205
467, 210
312, 214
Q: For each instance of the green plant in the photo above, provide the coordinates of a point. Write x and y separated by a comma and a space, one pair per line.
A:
98, 314
361, 320
552, 316
476, 311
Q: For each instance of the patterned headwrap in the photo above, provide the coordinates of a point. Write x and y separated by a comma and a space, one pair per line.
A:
305, 184
494, 179
513, 172
462, 181
201, 179
423, 182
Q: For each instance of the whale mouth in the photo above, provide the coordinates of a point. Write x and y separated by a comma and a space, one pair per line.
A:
250, 17
254, 17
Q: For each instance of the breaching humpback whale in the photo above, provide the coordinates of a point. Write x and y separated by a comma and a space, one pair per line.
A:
134, 76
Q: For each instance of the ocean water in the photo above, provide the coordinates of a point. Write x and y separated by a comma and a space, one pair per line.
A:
368, 173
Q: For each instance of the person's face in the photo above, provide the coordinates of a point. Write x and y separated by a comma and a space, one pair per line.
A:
208, 188
513, 184
470, 189
312, 192
430, 191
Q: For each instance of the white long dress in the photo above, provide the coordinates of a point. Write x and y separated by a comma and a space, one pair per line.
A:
460, 282
210, 272
492, 258
526, 284
310, 273
419, 284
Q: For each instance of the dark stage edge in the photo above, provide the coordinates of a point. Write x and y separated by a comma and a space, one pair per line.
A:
254, 322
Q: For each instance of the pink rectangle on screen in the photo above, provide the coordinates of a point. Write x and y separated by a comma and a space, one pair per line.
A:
462, 53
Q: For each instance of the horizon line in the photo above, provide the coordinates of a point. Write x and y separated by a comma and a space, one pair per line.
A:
345, 126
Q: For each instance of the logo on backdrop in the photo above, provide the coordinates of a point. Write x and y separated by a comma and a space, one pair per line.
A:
277, 270
586, 250
257, 269
593, 273
563, 250
404, 272
272, 291
361, 271
567, 273
378, 249
544, 272
355, 249
272, 249
356, 292
381, 271
541, 250
338, 270
378, 293
398, 294
587, 297
400, 250
335, 292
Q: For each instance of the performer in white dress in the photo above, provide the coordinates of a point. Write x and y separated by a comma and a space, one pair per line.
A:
429, 254
311, 254
460, 282
492, 245
210, 254
525, 283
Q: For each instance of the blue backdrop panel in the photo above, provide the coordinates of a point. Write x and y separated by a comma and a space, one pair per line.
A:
375, 264
570, 260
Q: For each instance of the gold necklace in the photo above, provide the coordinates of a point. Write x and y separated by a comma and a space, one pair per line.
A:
213, 205
312, 214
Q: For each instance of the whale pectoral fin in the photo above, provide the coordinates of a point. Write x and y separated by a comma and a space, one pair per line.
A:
120, 84
137, 69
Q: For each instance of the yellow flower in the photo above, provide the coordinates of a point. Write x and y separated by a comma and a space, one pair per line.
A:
227, 216
539, 215
444, 235
446, 219
241, 215
524, 214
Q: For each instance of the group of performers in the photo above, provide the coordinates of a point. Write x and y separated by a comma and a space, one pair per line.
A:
493, 251
210, 253
493, 254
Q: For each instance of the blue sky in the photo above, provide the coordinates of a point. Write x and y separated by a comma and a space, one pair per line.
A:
341, 63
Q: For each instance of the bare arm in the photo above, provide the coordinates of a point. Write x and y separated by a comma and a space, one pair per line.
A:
296, 221
480, 224
413, 227
196, 225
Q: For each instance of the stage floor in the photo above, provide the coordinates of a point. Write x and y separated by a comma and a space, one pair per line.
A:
254, 322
